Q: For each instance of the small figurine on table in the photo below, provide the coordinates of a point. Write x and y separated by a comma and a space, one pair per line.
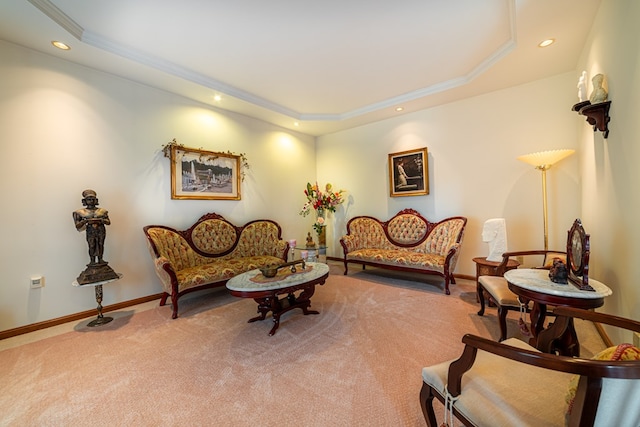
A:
310, 242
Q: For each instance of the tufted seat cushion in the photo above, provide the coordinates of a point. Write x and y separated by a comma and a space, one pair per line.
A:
399, 257
221, 269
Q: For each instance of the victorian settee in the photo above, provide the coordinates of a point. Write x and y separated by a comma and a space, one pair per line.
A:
211, 252
407, 242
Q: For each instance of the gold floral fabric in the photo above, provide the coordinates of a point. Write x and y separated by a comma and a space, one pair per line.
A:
175, 248
214, 236
407, 229
257, 246
367, 241
221, 269
400, 257
258, 239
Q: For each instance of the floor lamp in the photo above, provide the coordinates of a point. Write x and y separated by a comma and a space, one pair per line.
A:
543, 160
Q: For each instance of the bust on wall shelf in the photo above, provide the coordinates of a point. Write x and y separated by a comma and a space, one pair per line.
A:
599, 94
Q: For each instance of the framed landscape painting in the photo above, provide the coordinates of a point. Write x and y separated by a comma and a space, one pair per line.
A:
204, 175
409, 173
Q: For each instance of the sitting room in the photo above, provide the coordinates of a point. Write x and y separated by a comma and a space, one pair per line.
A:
165, 158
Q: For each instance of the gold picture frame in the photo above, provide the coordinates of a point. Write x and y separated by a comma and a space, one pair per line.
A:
409, 173
204, 175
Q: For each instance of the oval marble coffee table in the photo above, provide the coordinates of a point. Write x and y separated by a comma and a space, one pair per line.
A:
266, 290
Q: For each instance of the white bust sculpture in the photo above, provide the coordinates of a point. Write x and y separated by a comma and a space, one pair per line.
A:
599, 93
494, 232
582, 87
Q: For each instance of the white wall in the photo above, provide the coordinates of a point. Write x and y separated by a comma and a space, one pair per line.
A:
609, 167
66, 128
473, 171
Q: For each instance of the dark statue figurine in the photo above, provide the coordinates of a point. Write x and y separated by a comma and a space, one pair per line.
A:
558, 272
93, 219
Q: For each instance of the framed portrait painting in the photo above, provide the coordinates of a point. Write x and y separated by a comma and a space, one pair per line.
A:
409, 173
204, 175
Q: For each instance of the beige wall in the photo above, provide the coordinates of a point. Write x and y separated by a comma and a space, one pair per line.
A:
66, 128
609, 167
473, 170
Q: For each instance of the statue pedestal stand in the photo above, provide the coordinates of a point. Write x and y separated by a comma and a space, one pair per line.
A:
101, 319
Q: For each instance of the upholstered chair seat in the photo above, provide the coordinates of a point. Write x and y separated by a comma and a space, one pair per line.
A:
497, 288
513, 384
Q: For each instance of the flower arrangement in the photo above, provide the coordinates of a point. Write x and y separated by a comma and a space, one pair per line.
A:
317, 226
321, 201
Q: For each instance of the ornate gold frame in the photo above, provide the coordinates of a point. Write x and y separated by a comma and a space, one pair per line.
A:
211, 175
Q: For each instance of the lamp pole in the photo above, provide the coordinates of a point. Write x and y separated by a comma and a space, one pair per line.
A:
542, 161
545, 216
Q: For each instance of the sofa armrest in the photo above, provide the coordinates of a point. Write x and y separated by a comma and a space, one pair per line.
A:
445, 235
165, 273
452, 257
350, 243
281, 250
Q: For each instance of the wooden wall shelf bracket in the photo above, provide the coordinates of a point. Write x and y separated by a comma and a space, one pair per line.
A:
597, 115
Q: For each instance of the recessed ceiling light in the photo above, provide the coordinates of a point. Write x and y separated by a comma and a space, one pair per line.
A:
547, 42
399, 108
60, 45
296, 124
217, 98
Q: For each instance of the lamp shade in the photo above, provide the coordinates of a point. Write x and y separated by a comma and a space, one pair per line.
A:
545, 159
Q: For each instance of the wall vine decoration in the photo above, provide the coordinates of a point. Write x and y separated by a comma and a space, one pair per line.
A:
244, 162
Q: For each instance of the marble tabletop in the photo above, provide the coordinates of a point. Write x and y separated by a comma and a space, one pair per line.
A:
537, 280
244, 283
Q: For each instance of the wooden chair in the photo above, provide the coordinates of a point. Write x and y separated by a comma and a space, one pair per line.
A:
498, 290
513, 384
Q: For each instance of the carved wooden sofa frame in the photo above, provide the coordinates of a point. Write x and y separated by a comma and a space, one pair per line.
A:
210, 252
406, 242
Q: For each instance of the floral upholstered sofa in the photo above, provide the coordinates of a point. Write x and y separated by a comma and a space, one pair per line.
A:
406, 242
211, 252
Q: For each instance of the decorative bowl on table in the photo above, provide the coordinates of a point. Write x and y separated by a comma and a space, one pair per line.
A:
270, 270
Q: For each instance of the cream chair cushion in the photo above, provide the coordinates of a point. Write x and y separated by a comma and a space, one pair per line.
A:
501, 392
498, 288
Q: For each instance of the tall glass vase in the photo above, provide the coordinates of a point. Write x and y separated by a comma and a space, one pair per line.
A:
322, 234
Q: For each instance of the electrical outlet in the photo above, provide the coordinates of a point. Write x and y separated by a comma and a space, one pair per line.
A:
636, 339
36, 282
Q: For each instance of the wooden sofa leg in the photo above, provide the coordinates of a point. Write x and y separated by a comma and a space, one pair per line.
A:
346, 268
426, 403
446, 285
174, 304
163, 300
